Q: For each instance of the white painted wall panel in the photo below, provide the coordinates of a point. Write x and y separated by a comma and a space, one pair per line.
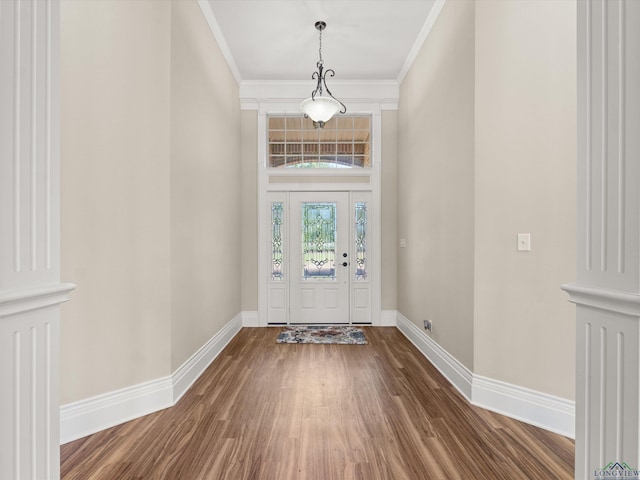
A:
607, 416
30, 292
609, 67
608, 288
29, 407
28, 143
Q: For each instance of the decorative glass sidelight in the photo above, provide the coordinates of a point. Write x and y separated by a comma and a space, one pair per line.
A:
361, 240
277, 217
319, 240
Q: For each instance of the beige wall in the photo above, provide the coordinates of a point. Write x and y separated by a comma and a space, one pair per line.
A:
525, 182
115, 194
205, 185
159, 183
151, 191
249, 237
436, 185
488, 150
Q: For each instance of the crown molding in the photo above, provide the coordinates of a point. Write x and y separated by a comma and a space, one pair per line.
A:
248, 100
422, 37
217, 33
382, 92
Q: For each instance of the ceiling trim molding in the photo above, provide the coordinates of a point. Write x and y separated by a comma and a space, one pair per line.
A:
422, 37
251, 85
385, 93
217, 33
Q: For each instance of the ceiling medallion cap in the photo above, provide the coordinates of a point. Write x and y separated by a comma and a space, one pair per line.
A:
320, 25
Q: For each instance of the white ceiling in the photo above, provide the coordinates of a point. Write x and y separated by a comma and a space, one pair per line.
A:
364, 39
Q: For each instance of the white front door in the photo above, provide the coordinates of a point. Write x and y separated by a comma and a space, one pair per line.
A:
319, 262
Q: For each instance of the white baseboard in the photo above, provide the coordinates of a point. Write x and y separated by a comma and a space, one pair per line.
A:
97, 413
250, 318
191, 370
536, 408
454, 371
84, 417
388, 318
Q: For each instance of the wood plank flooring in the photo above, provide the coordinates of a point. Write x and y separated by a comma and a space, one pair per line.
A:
264, 411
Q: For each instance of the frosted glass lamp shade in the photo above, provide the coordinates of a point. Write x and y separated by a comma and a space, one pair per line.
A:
320, 109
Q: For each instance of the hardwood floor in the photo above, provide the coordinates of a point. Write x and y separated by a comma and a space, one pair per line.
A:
264, 411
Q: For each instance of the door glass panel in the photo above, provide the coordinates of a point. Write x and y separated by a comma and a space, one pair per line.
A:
361, 240
318, 240
276, 240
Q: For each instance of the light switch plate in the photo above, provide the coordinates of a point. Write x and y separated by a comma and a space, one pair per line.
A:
524, 242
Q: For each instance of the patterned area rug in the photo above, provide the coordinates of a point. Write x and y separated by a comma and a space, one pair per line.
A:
343, 335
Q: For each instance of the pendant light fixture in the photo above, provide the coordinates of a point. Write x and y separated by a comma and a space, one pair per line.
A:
318, 107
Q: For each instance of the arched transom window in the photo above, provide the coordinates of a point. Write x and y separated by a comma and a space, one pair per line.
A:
344, 142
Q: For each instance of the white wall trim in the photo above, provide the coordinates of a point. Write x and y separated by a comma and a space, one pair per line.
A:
190, 371
266, 189
605, 299
250, 318
355, 94
377, 90
422, 37
536, 408
454, 371
222, 43
91, 415
22, 300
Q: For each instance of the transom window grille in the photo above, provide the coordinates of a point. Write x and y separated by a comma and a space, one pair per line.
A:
344, 142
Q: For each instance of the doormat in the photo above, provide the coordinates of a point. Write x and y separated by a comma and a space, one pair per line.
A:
342, 335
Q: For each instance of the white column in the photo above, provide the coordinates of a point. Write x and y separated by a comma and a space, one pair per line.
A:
30, 288
607, 291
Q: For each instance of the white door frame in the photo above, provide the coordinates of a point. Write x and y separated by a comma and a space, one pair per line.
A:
272, 180
318, 300
281, 306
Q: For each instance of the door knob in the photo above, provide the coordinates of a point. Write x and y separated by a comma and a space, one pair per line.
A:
344, 255
345, 264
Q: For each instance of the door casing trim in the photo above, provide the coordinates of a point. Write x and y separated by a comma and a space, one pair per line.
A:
367, 180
